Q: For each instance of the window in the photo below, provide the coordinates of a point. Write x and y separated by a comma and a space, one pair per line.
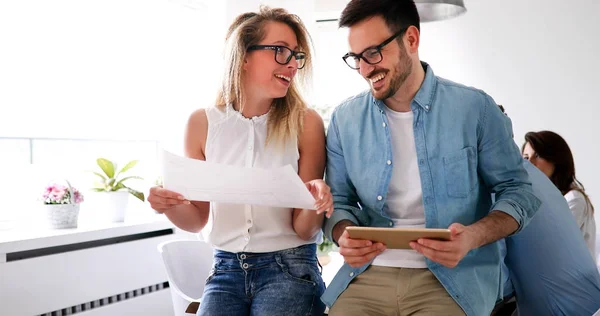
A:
334, 81
86, 79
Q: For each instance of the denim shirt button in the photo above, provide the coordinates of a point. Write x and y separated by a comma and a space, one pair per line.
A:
384, 125
379, 198
389, 162
351, 274
391, 224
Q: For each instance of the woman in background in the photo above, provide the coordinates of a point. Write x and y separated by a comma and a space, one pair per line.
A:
265, 261
550, 153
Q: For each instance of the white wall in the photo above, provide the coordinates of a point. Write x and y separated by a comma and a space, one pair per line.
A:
105, 68
539, 59
536, 57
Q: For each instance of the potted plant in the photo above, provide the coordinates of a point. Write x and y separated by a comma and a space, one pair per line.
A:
112, 183
323, 251
61, 205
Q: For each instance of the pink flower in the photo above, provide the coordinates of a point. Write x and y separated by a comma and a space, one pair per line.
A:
60, 194
77, 196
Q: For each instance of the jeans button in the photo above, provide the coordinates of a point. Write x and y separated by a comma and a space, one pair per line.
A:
245, 266
243, 256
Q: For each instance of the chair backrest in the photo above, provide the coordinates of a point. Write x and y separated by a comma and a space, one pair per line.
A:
188, 263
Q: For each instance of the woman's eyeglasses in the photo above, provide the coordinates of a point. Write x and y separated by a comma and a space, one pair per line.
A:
283, 55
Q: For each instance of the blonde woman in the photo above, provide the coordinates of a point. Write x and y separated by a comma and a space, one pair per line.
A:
265, 259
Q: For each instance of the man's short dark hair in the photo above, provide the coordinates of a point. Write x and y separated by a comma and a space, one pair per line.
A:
398, 14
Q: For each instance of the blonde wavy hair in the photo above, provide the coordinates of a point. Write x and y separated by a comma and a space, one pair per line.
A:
287, 113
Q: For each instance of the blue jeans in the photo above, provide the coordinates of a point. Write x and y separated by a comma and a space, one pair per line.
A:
286, 282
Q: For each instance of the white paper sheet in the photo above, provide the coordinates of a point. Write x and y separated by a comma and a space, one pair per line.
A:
199, 180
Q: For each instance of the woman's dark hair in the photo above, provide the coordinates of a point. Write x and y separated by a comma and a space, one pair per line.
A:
554, 149
398, 14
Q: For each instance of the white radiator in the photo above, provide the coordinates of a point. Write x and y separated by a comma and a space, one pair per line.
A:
114, 276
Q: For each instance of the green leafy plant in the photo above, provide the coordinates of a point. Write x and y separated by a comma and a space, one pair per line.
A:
111, 180
326, 246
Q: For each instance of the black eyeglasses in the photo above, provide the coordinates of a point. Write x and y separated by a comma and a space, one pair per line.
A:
283, 55
371, 55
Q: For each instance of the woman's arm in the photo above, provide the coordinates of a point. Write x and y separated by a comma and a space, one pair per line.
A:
192, 216
311, 166
578, 206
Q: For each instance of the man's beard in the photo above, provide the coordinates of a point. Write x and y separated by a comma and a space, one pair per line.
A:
402, 70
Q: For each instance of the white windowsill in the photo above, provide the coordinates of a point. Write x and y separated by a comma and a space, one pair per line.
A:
23, 239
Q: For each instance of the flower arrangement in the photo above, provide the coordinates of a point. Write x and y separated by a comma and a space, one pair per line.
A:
57, 193
61, 205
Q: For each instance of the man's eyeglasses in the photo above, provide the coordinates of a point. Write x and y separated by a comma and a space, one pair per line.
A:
371, 55
283, 55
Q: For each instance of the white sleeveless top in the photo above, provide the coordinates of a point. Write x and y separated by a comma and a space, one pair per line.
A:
582, 211
235, 140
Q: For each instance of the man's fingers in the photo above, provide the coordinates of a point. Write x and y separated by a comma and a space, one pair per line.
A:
437, 244
358, 252
455, 230
448, 259
354, 243
359, 261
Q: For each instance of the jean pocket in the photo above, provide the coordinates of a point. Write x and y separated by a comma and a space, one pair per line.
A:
460, 169
211, 276
300, 271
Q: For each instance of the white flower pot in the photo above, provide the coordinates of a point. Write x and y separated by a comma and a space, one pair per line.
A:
116, 205
59, 216
106, 207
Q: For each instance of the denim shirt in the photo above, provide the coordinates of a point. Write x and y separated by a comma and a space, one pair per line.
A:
465, 151
558, 276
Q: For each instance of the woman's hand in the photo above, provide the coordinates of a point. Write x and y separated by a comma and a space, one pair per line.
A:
322, 194
163, 200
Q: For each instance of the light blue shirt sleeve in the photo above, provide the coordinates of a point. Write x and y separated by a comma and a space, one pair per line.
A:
345, 199
501, 167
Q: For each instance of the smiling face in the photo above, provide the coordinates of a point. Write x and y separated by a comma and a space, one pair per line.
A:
263, 76
390, 74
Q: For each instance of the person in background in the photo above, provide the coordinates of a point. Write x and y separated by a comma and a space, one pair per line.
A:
265, 261
415, 151
547, 268
550, 153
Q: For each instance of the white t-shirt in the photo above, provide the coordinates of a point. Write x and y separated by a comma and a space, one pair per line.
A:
582, 211
235, 140
405, 198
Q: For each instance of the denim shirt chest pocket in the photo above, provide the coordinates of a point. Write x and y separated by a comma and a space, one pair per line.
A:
460, 169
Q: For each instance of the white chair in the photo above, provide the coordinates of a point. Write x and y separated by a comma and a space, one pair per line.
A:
188, 263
